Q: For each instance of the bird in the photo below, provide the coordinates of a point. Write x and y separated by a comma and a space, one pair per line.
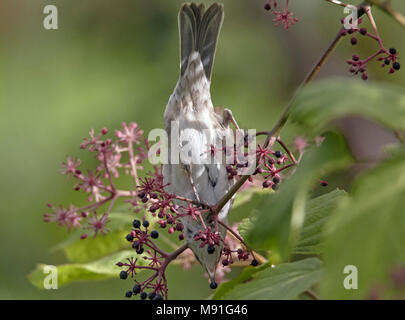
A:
190, 113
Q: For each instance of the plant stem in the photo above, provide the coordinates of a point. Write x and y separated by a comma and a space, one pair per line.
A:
387, 8
339, 3
256, 255
312, 294
176, 253
286, 149
284, 117
311, 76
314, 72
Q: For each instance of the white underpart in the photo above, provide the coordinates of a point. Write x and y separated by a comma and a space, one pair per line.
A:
190, 106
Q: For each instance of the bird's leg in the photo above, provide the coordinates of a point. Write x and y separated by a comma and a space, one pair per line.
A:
187, 170
227, 117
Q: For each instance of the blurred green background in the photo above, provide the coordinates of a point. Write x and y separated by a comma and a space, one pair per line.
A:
114, 61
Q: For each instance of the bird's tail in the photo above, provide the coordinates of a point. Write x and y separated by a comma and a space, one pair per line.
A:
199, 30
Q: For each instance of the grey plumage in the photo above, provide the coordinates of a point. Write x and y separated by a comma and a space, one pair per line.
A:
199, 31
191, 109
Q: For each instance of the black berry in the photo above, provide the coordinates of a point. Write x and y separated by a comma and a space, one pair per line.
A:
151, 295
129, 237
136, 288
393, 51
136, 223
266, 183
274, 187
387, 61
144, 295
154, 234
139, 250
353, 41
254, 263
145, 223
278, 154
363, 31
210, 249
267, 6
396, 65
213, 285
123, 275
141, 194
158, 297
128, 294
276, 179
225, 262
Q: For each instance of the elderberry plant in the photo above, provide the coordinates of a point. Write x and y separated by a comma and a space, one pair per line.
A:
125, 154
156, 213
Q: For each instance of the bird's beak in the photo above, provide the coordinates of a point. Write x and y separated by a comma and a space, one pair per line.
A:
211, 274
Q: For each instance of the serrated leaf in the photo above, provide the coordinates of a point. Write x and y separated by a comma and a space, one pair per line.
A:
317, 213
100, 269
244, 276
280, 216
367, 231
283, 282
320, 103
245, 226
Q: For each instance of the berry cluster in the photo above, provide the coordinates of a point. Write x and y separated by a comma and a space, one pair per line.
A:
284, 17
241, 254
388, 57
269, 164
269, 169
141, 239
98, 184
167, 210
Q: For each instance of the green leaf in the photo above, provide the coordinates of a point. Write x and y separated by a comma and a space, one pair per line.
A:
367, 231
244, 276
246, 201
317, 213
91, 248
283, 282
280, 216
100, 269
245, 226
322, 102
